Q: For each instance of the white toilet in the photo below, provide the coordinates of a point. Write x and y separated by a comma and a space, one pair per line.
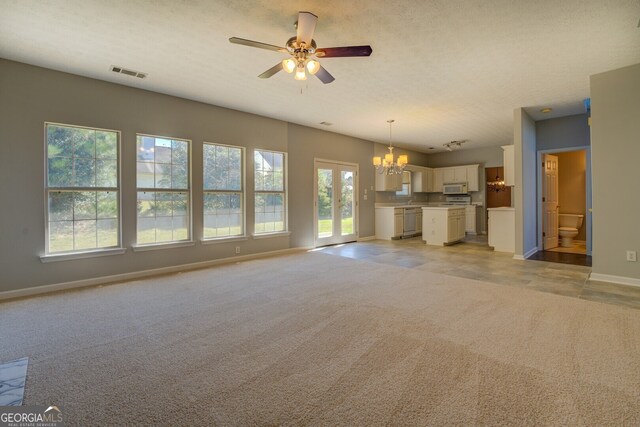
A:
569, 226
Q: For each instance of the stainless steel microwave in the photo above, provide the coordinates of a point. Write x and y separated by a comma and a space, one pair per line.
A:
455, 188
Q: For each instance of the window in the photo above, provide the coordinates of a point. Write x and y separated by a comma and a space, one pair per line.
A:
82, 190
163, 190
223, 191
270, 192
406, 185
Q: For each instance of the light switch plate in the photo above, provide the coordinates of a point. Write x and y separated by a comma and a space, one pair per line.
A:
632, 256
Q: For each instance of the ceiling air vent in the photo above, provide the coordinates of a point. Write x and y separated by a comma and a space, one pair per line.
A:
326, 123
128, 72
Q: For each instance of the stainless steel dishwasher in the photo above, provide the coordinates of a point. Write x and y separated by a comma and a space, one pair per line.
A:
409, 228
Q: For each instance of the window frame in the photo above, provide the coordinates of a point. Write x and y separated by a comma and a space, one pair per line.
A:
243, 193
138, 247
284, 192
49, 256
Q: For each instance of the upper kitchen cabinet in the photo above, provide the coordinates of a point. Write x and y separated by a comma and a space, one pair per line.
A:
473, 177
509, 160
386, 182
421, 179
448, 175
456, 174
438, 180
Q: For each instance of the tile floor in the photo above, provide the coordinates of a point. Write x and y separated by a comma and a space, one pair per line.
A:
13, 376
473, 259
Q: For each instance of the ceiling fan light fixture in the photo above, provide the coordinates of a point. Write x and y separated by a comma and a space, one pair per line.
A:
300, 74
313, 66
289, 65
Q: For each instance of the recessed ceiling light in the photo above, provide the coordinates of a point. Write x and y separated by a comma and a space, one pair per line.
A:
546, 110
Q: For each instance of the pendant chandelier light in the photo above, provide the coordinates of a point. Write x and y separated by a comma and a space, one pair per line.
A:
497, 184
387, 165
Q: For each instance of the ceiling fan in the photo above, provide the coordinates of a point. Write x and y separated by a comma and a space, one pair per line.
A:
302, 48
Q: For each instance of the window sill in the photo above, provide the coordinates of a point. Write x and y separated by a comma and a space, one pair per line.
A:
215, 240
269, 235
81, 255
157, 246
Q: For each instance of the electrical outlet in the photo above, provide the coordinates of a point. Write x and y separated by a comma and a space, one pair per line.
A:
237, 249
365, 197
632, 256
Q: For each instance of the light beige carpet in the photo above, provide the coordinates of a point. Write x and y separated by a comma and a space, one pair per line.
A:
315, 339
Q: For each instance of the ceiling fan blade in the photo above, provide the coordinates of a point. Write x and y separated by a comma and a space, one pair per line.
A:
259, 45
271, 71
324, 75
306, 27
344, 51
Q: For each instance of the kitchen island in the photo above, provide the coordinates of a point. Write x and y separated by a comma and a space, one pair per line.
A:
443, 225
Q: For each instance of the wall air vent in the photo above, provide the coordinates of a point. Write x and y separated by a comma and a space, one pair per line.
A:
128, 72
326, 123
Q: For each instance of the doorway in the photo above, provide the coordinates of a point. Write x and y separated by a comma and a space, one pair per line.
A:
335, 202
564, 206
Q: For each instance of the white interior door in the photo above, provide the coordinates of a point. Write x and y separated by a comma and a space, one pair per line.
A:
335, 203
550, 201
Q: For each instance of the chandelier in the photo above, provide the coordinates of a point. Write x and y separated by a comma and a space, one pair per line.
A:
387, 165
454, 145
497, 184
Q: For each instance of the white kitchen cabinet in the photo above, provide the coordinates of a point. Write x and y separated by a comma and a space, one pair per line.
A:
386, 182
389, 223
448, 175
442, 225
438, 180
502, 229
421, 179
509, 163
473, 177
467, 173
398, 222
460, 174
471, 219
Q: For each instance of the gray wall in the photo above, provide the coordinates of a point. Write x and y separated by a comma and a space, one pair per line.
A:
524, 141
615, 148
31, 95
563, 132
486, 157
307, 144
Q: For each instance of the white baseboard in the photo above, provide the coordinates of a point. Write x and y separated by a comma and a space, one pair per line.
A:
621, 280
366, 238
527, 255
36, 290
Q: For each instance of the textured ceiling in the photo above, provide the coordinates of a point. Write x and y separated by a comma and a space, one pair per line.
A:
444, 70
